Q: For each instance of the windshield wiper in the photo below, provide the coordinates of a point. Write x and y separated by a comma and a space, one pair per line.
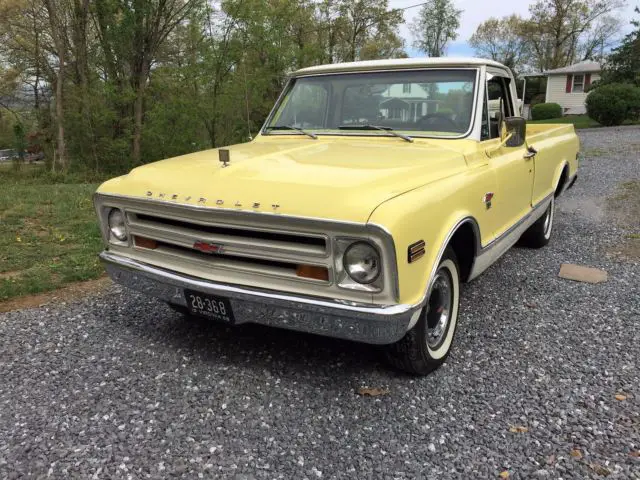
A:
376, 127
291, 127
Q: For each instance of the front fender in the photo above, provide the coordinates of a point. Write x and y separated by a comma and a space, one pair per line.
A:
432, 213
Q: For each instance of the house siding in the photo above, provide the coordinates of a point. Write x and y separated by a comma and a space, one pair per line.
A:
571, 103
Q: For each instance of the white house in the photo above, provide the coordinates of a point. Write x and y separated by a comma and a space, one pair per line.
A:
407, 102
566, 86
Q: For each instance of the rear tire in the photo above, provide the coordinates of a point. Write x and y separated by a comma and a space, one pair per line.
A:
539, 234
426, 346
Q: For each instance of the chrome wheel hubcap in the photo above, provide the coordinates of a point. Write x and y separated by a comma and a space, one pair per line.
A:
439, 309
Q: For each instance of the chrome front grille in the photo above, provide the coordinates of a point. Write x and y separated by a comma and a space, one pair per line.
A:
278, 252
251, 250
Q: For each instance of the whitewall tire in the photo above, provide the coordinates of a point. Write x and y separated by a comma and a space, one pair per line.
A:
426, 346
539, 234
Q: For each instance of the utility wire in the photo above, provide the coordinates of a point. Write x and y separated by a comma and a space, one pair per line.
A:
412, 6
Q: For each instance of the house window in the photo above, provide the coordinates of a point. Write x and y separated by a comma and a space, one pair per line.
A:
578, 84
406, 88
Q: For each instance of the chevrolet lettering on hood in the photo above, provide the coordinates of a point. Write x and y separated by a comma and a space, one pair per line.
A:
175, 197
372, 191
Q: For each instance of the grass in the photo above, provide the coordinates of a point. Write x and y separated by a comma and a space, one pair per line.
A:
578, 121
49, 235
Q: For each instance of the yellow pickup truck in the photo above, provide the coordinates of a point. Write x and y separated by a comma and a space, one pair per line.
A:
371, 192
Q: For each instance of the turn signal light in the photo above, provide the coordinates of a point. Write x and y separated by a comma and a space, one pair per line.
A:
416, 251
310, 271
145, 242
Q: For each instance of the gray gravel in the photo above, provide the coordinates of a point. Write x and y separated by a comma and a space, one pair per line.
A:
119, 386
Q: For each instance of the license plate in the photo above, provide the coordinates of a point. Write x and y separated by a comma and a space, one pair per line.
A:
210, 306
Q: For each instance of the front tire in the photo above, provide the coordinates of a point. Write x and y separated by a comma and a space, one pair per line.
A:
426, 346
539, 234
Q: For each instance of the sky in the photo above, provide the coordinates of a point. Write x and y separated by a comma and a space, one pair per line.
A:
477, 11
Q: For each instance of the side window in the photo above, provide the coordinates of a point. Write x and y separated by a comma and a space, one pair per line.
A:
498, 104
485, 134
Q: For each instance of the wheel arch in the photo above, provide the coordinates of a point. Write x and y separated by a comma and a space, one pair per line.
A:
464, 239
560, 179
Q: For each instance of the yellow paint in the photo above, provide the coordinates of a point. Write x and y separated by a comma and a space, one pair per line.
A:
418, 190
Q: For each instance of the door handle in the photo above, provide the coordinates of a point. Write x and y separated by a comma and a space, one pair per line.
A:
531, 152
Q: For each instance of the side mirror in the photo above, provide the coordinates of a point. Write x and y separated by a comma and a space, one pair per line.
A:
516, 128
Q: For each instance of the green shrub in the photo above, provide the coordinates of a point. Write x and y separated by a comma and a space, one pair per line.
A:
546, 111
613, 103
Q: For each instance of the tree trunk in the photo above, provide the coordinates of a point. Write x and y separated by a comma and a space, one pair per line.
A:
80, 18
62, 151
57, 32
36, 84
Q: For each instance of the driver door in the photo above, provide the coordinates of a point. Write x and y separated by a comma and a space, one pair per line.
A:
514, 172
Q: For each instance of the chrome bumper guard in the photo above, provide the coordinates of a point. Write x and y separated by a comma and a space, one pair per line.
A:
359, 322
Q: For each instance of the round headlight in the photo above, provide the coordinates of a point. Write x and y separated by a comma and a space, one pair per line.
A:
116, 224
362, 262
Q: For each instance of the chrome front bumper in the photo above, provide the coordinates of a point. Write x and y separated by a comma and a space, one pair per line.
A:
359, 322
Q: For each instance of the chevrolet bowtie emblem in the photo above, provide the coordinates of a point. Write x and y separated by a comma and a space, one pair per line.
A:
206, 247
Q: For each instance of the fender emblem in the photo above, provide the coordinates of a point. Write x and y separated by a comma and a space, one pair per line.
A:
487, 199
206, 247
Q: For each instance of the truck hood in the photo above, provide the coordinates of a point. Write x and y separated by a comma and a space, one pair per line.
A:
339, 179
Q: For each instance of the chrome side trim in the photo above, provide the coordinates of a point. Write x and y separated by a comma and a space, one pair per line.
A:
488, 255
369, 323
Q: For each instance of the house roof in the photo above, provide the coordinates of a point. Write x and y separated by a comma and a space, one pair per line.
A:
394, 103
398, 63
580, 67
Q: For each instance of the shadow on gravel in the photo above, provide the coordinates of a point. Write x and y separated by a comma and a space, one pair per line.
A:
257, 347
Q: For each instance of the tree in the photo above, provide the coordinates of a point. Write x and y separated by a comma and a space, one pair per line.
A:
556, 29
58, 27
112, 81
623, 65
600, 38
132, 33
436, 25
365, 21
384, 44
501, 40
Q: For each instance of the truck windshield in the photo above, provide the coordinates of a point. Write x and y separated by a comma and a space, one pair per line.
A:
427, 103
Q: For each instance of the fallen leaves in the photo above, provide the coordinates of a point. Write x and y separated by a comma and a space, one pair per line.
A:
635, 454
504, 474
575, 453
621, 397
599, 469
373, 392
518, 429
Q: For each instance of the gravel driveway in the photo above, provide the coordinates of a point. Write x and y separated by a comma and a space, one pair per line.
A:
119, 386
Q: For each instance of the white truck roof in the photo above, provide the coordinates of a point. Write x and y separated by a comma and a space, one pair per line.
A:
398, 63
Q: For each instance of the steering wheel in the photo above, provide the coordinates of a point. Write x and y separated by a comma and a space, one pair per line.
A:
434, 118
